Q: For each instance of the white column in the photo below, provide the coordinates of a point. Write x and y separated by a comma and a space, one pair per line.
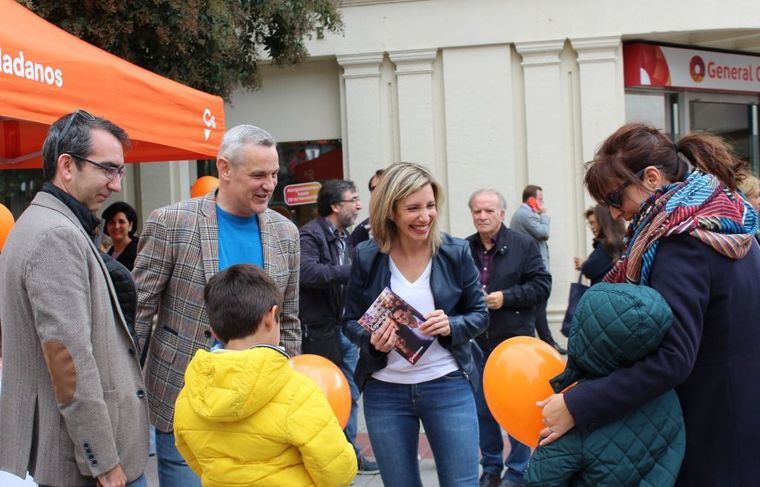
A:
602, 94
602, 107
163, 183
414, 73
363, 150
420, 116
480, 133
548, 120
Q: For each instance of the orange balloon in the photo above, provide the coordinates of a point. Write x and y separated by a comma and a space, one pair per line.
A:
330, 379
203, 185
516, 376
6, 223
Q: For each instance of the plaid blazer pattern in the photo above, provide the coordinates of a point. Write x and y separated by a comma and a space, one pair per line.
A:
178, 254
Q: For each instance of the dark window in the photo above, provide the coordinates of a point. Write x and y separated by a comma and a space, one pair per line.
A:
300, 162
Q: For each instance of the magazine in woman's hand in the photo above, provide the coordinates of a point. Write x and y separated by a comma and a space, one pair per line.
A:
389, 306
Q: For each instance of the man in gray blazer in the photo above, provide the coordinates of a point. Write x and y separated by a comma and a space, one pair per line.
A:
73, 409
532, 219
182, 247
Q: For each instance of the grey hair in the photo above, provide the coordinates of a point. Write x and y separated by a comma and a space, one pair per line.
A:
492, 191
241, 135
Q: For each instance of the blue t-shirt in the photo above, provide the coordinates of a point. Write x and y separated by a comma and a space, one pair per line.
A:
239, 240
239, 243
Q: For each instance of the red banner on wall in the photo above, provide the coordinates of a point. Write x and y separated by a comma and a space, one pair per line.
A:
651, 65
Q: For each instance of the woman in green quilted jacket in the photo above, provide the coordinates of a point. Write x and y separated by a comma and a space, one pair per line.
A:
614, 326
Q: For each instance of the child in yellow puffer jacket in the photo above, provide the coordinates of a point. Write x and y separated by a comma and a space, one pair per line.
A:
244, 416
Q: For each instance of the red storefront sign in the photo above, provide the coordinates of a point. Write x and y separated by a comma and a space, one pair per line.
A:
301, 194
651, 65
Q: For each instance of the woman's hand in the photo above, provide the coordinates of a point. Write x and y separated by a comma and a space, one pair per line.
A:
436, 323
557, 418
578, 263
384, 338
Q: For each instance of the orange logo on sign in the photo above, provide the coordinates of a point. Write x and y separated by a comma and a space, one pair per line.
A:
301, 194
697, 69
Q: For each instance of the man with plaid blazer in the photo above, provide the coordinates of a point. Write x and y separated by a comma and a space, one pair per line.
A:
182, 247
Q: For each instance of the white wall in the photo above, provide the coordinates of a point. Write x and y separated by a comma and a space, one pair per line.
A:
480, 129
447, 23
295, 103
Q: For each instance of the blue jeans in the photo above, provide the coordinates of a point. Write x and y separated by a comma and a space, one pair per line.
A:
172, 468
348, 365
152, 447
446, 408
491, 443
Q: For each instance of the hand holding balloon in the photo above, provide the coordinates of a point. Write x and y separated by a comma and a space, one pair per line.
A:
556, 417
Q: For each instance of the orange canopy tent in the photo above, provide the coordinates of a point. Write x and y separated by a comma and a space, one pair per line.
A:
46, 72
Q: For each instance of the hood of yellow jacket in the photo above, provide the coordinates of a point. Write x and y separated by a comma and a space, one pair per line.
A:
229, 386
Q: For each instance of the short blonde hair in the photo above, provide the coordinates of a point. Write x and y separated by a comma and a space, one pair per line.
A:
400, 180
749, 185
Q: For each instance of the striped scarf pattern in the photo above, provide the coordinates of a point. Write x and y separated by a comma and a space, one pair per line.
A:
700, 206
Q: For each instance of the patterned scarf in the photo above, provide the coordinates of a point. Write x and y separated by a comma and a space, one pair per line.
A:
700, 206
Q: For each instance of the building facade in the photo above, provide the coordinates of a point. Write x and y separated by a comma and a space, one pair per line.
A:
487, 93
500, 94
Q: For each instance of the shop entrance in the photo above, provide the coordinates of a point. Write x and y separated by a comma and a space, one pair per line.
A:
733, 117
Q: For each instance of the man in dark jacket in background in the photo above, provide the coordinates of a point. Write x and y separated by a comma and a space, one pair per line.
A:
362, 231
325, 269
531, 219
514, 280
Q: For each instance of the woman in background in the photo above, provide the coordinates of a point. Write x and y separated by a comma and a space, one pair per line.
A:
121, 225
750, 186
608, 244
434, 273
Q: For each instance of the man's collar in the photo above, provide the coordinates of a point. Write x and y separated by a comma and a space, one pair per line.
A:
499, 239
86, 218
480, 244
334, 230
499, 234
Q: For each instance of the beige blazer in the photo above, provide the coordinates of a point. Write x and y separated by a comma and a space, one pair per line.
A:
73, 402
177, 255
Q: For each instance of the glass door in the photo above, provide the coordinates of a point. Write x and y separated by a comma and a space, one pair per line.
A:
733, 117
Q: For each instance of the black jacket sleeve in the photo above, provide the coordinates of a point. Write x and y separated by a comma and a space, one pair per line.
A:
536, 282
316, 271
472, 315
681, 273
126, 292
360, 233
355, 304
597, 265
